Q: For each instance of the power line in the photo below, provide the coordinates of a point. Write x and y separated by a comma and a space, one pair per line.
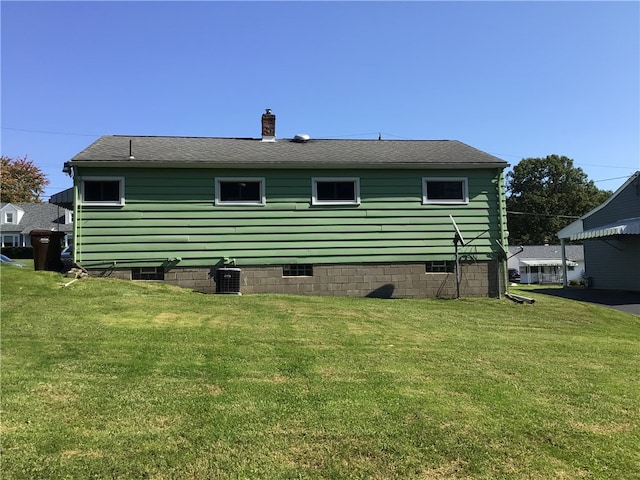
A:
607, 179
576, 162
49, 132
541, 214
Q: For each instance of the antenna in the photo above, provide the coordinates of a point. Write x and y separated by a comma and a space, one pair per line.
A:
458, 237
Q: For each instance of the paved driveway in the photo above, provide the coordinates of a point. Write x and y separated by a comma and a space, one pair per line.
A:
623, 301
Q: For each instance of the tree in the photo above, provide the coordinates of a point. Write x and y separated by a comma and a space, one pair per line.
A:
21, 180
544, 196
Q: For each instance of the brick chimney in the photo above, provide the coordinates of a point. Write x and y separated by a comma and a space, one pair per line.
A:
268, 126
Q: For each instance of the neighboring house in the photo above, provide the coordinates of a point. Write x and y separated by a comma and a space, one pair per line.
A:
18, 219
611, 235
327, 217
543, 263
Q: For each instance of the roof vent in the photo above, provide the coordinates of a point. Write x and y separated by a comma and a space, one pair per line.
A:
301, 138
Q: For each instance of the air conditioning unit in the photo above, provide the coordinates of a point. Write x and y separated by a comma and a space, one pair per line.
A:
228, 281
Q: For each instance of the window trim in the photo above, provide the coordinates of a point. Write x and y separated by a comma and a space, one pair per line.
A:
446, 201
314, 191
107, 203
9, 217
222, 203
15, 239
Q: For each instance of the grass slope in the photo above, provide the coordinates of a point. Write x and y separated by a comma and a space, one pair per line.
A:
114, 379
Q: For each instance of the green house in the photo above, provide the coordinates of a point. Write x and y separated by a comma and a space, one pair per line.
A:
300, 215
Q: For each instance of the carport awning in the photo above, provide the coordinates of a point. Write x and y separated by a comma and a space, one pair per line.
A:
630, 226
546, 262
63, 199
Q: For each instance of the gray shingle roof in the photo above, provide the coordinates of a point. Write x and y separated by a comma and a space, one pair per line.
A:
249, 152
573, 252
39, 216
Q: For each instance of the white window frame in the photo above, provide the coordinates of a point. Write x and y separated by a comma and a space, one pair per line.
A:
9, 217
15, 239
244, 203
445, 201
107, 203
314, 191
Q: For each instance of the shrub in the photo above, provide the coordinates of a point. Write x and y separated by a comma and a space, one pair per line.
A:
18, 252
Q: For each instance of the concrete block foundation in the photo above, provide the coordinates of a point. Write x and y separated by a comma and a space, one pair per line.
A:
478, 279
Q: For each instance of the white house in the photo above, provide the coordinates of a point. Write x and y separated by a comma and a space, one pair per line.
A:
543, 263
18, 219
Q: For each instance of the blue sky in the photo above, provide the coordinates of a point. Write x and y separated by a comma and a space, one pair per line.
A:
515, 79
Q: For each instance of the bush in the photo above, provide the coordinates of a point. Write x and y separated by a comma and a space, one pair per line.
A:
18, 252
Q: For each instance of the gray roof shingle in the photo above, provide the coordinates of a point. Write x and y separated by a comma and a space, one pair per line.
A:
573, 252
39, 216
249, 152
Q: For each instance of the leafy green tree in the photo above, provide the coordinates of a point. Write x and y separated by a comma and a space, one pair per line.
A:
544, 196
21, 180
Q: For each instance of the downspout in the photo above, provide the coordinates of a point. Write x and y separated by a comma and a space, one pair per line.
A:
76, 220
564, 263
68, 169
503, 280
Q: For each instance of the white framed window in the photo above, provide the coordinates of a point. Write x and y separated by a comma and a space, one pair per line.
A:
240, 191
9, 217
10, 240
104, 191
335, 191
445, 190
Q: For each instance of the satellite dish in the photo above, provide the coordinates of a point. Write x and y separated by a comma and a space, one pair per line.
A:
459, 237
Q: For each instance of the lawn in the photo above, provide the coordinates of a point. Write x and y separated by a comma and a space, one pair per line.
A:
111, 379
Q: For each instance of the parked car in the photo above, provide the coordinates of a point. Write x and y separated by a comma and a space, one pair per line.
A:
7, 261
514, 275
66, 257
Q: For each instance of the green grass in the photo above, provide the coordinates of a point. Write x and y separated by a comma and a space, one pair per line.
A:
112, 379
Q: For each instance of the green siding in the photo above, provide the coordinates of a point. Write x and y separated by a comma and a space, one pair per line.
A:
171, 213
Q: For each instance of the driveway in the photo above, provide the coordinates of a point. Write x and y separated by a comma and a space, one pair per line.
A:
624, 301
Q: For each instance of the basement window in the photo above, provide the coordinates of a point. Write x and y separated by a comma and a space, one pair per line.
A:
335, 191
240, 191
297, 270
440, 267
105, 191
444, 190
147, 273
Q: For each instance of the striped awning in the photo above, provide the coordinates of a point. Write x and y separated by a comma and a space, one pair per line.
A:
629, 226
63, 198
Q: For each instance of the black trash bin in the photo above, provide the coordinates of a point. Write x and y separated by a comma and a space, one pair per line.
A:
47, 247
